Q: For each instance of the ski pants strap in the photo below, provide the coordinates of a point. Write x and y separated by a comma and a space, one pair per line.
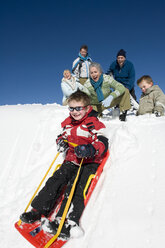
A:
65, 210
87, 184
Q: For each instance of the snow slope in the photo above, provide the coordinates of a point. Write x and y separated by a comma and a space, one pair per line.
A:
127, 208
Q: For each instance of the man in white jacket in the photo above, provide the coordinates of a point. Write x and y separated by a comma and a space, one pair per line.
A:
81, 65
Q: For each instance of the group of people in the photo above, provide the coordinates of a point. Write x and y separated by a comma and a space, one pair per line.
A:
115, 88
87, 93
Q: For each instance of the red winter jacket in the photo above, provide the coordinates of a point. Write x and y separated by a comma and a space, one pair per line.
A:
88, 130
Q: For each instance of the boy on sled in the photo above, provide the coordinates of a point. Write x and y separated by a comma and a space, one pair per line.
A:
83, 128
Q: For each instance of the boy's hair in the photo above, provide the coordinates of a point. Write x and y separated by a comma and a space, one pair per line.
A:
66, 71
147, 78
84, 47
79, 96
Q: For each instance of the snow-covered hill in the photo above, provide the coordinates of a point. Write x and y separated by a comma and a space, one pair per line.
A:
127, 208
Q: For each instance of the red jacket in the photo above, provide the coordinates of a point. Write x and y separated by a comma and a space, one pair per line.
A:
87, 130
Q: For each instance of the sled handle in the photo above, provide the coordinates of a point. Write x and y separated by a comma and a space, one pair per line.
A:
19, 222
58, 166
71, 143
66, 209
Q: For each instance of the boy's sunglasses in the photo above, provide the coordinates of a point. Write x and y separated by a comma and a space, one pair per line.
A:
71, 109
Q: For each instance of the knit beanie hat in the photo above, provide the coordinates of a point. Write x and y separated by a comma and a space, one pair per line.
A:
121, 53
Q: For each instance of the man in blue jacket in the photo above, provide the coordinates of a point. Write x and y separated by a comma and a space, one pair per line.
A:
123, 71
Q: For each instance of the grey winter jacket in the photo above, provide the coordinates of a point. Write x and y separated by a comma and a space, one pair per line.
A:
151, 101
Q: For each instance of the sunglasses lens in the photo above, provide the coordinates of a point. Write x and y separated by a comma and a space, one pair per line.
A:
71, 109
78, 108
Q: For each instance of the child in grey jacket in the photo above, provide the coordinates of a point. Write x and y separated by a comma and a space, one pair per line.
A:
152, 99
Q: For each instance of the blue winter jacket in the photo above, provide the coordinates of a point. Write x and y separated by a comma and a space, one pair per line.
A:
124, 75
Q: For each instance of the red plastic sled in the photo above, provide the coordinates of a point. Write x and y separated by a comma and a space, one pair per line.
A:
34, 233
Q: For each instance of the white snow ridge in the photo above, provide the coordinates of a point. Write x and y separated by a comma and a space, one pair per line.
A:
127, 207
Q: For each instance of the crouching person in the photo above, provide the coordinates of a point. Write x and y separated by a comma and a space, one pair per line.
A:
83, 128
152, 99
105, 92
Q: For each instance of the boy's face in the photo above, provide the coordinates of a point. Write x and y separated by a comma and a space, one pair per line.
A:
79, 113
145, 85
67, 75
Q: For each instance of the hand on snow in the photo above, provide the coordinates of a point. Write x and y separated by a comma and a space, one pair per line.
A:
107, 101
157, 114
62, 146
85, 151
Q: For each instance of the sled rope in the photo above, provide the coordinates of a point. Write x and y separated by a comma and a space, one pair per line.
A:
66, 209
58, 166
19, 222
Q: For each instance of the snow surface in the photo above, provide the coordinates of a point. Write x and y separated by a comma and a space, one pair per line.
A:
127, 208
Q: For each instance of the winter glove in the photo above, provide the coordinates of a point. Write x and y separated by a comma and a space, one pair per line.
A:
157, 114
85, 151
107, 101
62, 146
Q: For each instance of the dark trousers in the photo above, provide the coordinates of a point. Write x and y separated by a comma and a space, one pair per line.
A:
45, 201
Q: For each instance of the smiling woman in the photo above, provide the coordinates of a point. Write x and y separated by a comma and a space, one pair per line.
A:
99, 87
69, 85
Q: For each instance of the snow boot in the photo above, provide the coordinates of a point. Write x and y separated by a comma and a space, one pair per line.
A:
116, 112
122, 116
134, 104
31, 216
67, 229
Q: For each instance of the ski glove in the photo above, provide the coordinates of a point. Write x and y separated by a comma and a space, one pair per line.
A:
62, 146
157, 114
107, 101
85, 151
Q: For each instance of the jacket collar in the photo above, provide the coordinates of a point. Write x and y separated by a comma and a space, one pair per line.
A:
149, 90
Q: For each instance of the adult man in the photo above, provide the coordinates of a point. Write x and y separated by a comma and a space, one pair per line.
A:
81, 65
123, 71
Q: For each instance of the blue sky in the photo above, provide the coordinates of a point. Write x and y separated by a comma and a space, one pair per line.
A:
39, 39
